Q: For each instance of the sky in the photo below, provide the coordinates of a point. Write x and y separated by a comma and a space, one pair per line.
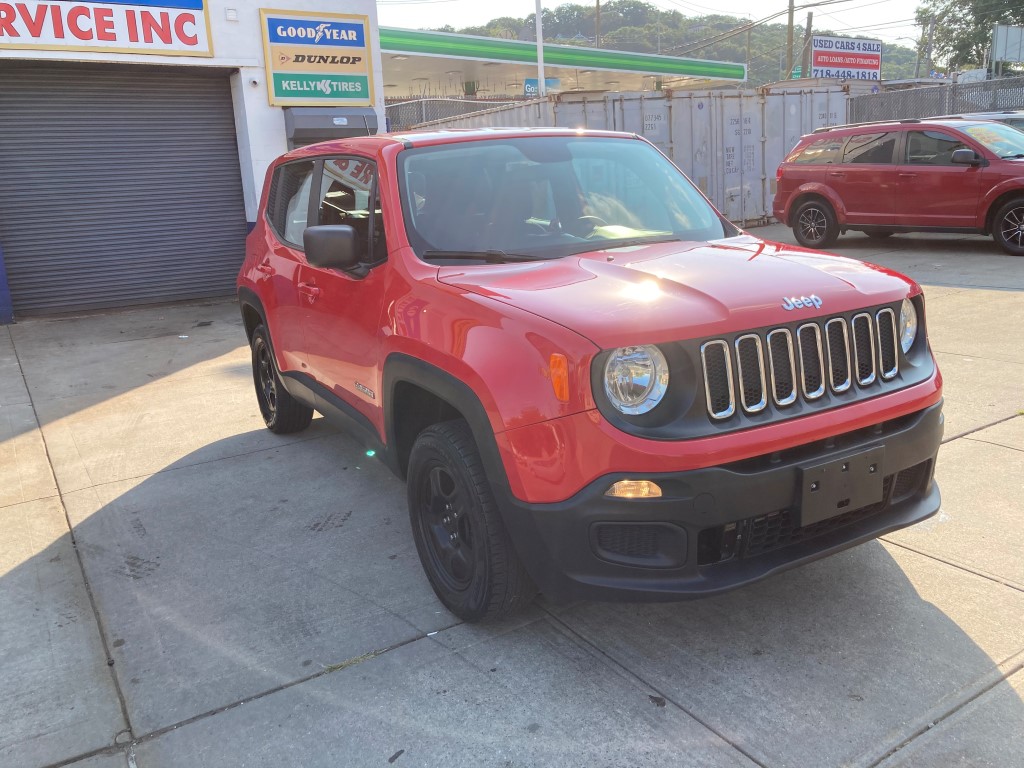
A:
891, 21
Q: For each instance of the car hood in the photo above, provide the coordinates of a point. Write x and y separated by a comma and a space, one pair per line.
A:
680, 290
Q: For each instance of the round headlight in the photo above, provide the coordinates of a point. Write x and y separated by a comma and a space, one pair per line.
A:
908, 325
635, 379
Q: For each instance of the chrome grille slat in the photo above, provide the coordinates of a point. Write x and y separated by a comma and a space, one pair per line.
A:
752, 382
783, 392
864, 362
720, 367
840, 377
782, 366
812, 370
888, 359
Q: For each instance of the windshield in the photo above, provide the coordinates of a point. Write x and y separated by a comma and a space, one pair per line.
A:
998, 138
547, 197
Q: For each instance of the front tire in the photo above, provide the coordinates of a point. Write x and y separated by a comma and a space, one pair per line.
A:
1008, 227
815, 225
462, 543
281, 412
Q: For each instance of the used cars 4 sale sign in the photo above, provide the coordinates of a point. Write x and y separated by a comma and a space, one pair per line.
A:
168, 27
846, 58
317, 59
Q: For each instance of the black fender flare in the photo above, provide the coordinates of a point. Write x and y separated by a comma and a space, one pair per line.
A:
400, 367
247, 296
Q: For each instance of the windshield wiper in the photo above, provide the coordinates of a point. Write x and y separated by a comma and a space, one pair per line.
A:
491, 256
1018, 156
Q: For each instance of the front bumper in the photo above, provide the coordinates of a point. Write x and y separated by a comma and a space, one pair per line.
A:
718, 528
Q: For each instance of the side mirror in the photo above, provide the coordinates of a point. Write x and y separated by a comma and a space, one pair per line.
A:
966, 157
331, 246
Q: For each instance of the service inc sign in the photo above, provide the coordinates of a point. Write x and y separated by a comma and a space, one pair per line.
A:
846, 58
317, 59
168, 27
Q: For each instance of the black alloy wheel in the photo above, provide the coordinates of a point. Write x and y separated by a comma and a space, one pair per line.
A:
814, 224
449, 535
281, 412
1008, 227
463, 545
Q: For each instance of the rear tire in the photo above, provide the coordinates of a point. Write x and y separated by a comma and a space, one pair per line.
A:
815, 225
1008, 227
281, 412
878, 234
462, 543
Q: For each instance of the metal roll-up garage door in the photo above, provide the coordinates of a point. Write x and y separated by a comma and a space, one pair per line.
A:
119, 185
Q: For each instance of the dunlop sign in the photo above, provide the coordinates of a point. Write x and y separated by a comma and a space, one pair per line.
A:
317, 59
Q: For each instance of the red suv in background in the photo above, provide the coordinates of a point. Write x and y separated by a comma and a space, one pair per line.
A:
940, 175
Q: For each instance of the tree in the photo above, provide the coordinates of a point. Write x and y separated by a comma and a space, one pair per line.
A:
963, 28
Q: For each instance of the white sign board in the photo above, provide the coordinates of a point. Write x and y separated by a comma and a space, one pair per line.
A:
168, 27
846, 58
1007, 43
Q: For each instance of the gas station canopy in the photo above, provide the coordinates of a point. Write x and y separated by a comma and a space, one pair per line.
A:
421, 64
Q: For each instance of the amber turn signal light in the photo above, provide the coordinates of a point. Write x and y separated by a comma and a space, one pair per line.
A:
560, 376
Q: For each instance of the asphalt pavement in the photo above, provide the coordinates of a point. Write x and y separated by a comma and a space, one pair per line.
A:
180, 587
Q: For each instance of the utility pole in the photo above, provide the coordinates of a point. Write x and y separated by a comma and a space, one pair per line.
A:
597, 26
805, 61
789, 43
542, 89
748, 53
921, 47
931, 37
931, 33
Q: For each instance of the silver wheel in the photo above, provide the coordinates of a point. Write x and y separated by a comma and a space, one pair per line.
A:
815, 224
1008, 227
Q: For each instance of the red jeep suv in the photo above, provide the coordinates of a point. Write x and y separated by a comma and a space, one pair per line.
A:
593, 384
937, 175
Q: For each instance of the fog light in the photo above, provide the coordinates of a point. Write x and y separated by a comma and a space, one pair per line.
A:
634, 489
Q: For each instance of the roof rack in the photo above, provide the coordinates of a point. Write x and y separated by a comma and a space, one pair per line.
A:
827, 128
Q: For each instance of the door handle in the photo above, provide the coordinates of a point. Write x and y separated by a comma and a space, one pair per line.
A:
309, 291
908, 175
837, 174
265, 268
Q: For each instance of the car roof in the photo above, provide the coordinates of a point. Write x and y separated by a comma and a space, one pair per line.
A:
999, 115
948, 122
411, 139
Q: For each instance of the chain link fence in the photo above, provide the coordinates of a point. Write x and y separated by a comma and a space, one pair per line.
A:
404, 115
948, 99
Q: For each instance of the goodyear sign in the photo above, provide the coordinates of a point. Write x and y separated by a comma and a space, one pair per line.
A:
317, 59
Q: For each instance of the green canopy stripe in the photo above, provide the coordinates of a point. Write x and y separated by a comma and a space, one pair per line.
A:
514, 51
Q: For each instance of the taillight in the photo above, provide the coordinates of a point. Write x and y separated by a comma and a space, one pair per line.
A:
778, 173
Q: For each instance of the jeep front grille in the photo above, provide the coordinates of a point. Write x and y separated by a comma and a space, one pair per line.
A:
718, 382
783, 365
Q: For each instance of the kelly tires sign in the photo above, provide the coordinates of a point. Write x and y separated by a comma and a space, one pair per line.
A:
317, 59
845, 58
168, 27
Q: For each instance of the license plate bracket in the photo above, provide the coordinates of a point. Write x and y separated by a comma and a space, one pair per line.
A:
834, 487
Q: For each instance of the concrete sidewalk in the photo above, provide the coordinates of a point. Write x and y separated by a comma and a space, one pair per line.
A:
180, 587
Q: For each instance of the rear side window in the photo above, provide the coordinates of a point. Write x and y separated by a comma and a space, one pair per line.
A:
288, 201
932, 148
828, 149
870, 148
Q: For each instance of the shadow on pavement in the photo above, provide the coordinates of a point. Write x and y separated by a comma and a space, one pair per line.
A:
219, 581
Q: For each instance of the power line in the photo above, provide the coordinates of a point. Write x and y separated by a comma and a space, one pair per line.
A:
697, 45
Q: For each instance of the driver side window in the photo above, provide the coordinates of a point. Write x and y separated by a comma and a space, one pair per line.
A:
346, 188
